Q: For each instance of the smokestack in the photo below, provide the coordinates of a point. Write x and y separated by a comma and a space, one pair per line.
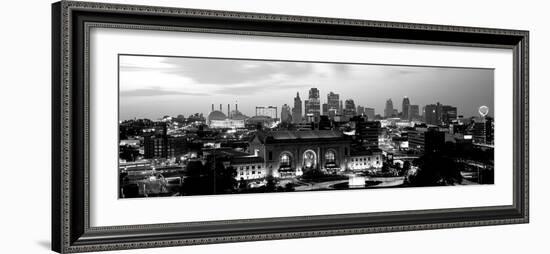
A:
221, 107
212, 106
236, 107
228, 110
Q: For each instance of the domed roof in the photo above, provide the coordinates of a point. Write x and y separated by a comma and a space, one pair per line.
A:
216, 115
239, 116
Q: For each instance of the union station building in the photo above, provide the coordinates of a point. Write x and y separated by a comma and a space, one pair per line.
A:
292, 153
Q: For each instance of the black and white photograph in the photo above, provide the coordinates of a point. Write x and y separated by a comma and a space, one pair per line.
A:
216, 126
208, 126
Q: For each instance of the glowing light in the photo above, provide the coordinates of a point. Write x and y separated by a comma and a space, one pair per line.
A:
483, 110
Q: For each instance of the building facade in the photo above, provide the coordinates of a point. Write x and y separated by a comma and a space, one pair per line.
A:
297, 109
405, 108
349, 109
292, 153
286, 115
367, 132
483, 131
270, 111
313, 105
413, 113
163, 146
426, 140
218, 120
432, 114
365, 160
388, 110
369, 112
448, 114
249, 167
333, 103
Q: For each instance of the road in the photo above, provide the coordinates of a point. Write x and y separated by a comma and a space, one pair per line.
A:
319, 186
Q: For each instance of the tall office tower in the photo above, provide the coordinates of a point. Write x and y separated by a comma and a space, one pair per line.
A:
369, 112
324, 109
333, 102
432, 114
349, 109
313, 105
297, 110
367, 132
360, 110
388, 111
405, 108
286, 115
448, 114
413, 113
483, 130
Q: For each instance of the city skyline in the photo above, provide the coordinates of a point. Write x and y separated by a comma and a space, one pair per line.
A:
151, 87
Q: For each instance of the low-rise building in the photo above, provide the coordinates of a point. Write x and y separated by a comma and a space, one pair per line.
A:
249, 167
361, 160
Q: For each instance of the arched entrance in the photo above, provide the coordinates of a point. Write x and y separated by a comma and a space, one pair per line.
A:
330, 161
309, 160
285, 165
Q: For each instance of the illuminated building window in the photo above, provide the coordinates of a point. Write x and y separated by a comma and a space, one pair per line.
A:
330, 157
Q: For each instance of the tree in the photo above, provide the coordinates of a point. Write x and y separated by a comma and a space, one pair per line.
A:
436, 169
406, 167
242, 184
197, 181
313, 174
225, 179
385, 167
271, 185
289, 187
128, 153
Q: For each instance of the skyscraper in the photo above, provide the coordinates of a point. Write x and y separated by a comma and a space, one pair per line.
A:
433, 114
448, 114
349, 109
333, 102
314, 93
313, 105
388, 111
405, 108
367, 132
325, 109
297, 110
369, 112
360, 110
286, 116
483, 130
413, 113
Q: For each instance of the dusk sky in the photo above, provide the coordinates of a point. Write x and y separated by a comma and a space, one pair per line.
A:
151, 87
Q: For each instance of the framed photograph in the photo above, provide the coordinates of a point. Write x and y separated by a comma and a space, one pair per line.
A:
178, 126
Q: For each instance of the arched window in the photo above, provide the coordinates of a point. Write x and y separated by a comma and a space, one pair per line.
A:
310, 159
330, 157
285, 160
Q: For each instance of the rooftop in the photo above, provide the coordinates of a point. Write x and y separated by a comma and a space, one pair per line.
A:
247, 159
307, 135
316, 134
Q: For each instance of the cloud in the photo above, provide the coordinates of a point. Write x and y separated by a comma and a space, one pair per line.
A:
234, 72
155, 92
263, 88
340, 68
